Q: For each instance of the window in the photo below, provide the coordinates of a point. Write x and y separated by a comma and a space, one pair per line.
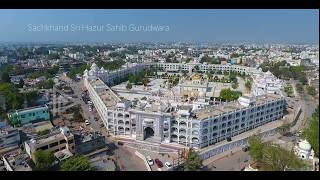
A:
250, 122
229, 123
243, 119
70, 141
237, 120
230, 116
223, 131
214, 128
224, 125
236, 127
44, 147
244, 112
214, 134
229, 129
53, 144
62, 141
224, 118
215, 121
242, 125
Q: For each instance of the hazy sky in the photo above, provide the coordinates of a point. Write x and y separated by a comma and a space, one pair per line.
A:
261, 26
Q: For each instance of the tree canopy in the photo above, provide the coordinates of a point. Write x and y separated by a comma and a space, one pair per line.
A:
77, 163
271, 157
311, 133
44, 160
229, 95
193, 161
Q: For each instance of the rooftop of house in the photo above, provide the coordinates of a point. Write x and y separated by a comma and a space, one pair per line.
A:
17, 160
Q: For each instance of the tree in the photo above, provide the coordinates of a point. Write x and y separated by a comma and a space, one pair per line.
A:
270, 157
5, 77
229, 95
43, 160
193, 161
248, 85
129, 86
311, 90
235, 85
131, 78
256, 147
77, 163
311, 133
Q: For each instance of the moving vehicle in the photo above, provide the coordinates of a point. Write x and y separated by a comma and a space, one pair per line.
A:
149, 160
168, 165
159, 163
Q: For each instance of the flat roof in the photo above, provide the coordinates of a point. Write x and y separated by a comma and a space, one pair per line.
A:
232, 106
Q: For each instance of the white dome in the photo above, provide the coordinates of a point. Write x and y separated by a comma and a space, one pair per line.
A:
305, 145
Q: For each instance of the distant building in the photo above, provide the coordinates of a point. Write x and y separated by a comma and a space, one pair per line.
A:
29, 115
57, 140
9, 139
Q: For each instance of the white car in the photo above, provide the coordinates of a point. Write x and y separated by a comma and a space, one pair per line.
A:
168, 165
87, 122
149, 160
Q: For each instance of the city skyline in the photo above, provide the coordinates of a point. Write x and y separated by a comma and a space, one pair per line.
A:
215, 26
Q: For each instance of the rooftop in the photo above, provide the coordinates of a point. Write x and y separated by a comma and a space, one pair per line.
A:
18, 160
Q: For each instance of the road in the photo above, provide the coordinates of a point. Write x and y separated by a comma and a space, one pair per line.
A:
126, 160
232, 162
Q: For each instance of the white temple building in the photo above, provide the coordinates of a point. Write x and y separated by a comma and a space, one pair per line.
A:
266, 83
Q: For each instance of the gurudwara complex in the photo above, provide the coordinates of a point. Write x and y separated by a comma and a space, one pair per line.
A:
186, 113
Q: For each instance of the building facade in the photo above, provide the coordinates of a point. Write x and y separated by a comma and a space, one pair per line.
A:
55, 141
177, 122
29, 115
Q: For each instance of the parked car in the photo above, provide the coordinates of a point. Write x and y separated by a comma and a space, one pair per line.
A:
159, 163
149, 160
168, 165
120, 143
87, 122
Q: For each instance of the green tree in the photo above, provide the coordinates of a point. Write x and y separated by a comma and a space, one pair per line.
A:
77, 163
235, 85
193, 161
248, 85
43, 160
311, 90
229, 95
311, 133
276, 158
5, 77
129, 86
299, 87
256, 148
